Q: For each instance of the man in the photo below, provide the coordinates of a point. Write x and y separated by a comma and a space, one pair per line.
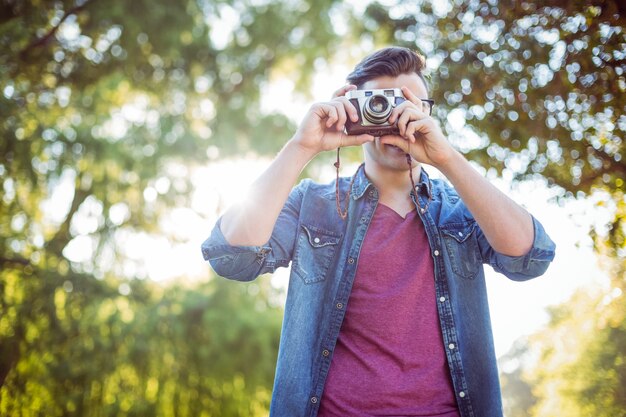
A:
386, 312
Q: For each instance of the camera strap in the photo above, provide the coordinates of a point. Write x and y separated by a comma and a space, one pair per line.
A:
413, 190
344, 213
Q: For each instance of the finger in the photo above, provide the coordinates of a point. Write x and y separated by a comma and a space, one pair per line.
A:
414, 128
355, 140
343, 90
411, 96
410, 131
349, 108
341, 114
330, 112
408, 115
396, 141
398, 110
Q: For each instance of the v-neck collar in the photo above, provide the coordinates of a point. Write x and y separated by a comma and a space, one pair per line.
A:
408, 215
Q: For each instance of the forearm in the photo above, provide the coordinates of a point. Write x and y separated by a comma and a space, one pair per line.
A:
251, 222
506, 225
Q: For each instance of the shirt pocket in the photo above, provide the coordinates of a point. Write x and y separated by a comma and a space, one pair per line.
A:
315, 251
462, 248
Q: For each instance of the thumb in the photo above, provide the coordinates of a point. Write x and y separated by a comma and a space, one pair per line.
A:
343, 90
396, 141
355, 140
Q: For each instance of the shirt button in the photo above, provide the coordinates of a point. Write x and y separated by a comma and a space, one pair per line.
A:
350, 260
436, 252
451, 346
314, 400
325, 352
339, 306
316, 240
462, 394
422, 210
442, 299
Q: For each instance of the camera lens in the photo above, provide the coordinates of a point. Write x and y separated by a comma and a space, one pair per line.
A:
377, 109
378, 104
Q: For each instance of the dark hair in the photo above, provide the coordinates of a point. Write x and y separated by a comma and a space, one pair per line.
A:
392, 62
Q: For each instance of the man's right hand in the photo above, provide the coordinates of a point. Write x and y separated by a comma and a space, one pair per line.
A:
322, 128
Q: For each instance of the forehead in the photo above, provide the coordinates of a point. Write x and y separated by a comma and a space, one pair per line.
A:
412, 81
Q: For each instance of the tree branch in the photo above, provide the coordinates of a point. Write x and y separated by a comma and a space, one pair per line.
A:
44, 39
17, 261
60, 238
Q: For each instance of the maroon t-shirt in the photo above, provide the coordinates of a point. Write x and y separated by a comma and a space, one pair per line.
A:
389, 359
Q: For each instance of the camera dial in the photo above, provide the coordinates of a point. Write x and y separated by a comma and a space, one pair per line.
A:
377, 109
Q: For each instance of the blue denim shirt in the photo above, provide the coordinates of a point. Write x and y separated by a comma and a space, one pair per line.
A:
324, 252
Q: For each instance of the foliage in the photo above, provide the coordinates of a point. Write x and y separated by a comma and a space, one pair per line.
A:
91, 350
543, 86
105, 107
575, 366
540, 88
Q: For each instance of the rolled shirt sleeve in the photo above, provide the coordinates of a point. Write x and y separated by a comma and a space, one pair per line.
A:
245, 263
525, 267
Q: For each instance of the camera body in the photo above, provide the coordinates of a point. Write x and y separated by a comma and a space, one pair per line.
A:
374, 108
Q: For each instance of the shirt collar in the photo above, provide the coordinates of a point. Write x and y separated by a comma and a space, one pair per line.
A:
362, 183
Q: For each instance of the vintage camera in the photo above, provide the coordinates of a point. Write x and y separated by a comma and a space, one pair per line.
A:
374, 108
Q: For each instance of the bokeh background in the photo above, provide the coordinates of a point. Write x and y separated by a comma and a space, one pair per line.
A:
127, 127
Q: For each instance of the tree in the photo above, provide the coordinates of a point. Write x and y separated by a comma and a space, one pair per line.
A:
541, 91
575, 366
111, 104
540, 88
104, 108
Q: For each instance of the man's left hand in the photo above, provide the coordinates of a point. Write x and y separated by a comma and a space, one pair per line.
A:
420, 134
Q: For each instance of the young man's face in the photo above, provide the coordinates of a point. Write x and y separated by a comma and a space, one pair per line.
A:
387, 156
